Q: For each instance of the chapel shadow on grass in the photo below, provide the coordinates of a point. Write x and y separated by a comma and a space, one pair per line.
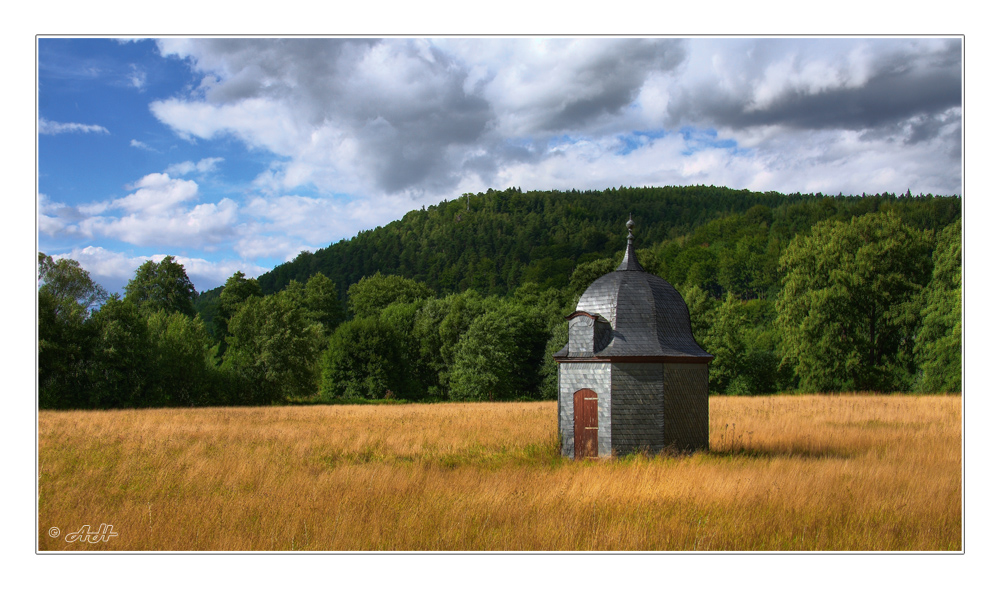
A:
805, 453
476, 455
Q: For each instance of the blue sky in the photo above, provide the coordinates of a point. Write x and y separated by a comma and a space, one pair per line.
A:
236, 154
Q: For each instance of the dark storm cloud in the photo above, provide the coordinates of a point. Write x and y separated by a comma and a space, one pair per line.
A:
900, 86
611, 81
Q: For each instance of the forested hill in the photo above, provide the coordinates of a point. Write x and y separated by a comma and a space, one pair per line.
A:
498, 240
467, 301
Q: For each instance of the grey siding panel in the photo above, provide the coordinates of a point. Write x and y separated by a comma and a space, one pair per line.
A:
581, 336
636, 407
685, 396
595, 376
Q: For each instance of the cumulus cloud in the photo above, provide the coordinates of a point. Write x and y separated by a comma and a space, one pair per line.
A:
389, 116
202, 166
283, 226
52, 216
560, 85
818, 83
155, 193
201, 226
425, 119
159, 212
403, 115
47, 127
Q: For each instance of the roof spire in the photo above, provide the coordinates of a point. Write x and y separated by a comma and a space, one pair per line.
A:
630, 262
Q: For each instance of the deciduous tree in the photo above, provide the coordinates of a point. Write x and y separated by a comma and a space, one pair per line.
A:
179, 365
500, 356
939, 341
322, 304
66, 297
850, 301
161, 285
370, 295
365, 360
272, 350
237, 290
122, 360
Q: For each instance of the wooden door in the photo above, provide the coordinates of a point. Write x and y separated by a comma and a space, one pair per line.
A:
585, 423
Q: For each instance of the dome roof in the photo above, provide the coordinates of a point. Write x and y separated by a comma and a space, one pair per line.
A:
648, 317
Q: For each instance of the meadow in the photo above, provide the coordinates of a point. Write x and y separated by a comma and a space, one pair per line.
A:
784, 473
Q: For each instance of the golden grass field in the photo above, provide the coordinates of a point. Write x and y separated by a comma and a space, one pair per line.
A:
785, 473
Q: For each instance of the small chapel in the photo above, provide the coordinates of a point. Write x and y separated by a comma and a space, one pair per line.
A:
632, 378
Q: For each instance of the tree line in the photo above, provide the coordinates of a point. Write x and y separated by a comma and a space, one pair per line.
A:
788, 292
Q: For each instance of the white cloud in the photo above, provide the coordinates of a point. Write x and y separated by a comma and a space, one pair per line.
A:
427, 118
140, 145
155, 193
259, 122
157, 213
136, 77
554, 85
279, 227
200, 227
203, 166
255, 246
50, 215
47, 127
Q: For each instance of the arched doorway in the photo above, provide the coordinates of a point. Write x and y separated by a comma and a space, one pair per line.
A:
585, 423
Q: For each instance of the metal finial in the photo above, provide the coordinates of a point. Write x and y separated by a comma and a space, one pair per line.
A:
631, 262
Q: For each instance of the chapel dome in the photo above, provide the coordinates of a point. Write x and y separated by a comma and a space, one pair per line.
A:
647, 316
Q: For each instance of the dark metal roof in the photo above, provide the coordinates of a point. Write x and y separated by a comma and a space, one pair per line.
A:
648, 317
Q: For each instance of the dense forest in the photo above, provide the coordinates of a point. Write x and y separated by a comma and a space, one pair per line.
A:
466, 300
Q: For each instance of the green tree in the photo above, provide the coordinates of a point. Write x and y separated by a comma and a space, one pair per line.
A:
364, 360
422, 370
463, 309
558, 337
700, 310
750, 268
164, 285
68, 285
122, 360
370, 295
696, 265
550, 306
322, 304
849, 304
501, 239
501, 355
272, 351
428, 340
179, 361
939, 341
740, 336
237, 290
66, 296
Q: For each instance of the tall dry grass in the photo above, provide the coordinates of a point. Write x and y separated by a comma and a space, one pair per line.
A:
783, 473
